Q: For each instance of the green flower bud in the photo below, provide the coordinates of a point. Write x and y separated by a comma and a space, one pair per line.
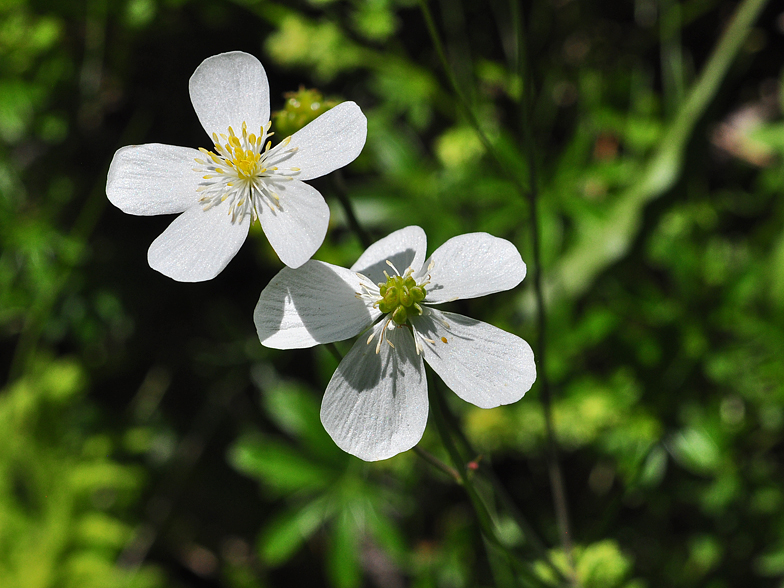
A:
301, 107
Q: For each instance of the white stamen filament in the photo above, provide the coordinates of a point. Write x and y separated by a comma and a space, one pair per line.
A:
241, 173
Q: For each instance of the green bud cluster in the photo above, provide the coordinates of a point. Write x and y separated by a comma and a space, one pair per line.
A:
301, 107
401, 296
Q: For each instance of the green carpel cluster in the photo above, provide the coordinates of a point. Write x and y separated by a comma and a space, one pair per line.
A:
401, 296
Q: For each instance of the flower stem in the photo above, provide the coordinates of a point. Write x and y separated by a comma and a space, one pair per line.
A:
438, 464
463, 100
333, 349
483, 467
484, 517
339, 183
557, 486
531, 194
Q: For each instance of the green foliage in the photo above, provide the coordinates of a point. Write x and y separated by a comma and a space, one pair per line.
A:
324, 494
61, 519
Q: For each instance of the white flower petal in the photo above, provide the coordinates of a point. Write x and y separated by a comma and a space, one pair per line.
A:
197, 245
482, 364
472, 265
296, 229
315, 303
375, 405
229, 89
332, 141
404, 248
153, 179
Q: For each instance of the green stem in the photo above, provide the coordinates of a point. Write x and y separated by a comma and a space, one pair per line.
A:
484, 468
600, 243
463, 100
335, 351
438, 464
531, 194
560, 502
484, 518
341, 192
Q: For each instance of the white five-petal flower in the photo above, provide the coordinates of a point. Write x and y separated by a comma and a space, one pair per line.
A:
376, 404
221, 192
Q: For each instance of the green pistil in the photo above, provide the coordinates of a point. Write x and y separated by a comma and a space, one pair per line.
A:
401, 297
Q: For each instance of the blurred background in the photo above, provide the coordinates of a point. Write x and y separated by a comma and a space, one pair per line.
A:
147, 439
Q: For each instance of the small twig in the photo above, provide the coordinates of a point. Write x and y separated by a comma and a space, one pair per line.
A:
463, 101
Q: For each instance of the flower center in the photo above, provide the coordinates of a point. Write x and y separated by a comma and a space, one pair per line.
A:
401, 296
398, 298
244, 172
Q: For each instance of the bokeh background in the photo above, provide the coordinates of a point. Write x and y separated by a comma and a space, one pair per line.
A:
148, 440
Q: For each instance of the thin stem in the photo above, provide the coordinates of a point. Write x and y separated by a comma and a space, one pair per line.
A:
339, 184
335, 351
463, 100
553, 461
531, 194
483, 467
438, 464
484, 518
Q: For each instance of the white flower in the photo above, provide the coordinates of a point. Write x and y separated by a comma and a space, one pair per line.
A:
376, 405
221, 192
